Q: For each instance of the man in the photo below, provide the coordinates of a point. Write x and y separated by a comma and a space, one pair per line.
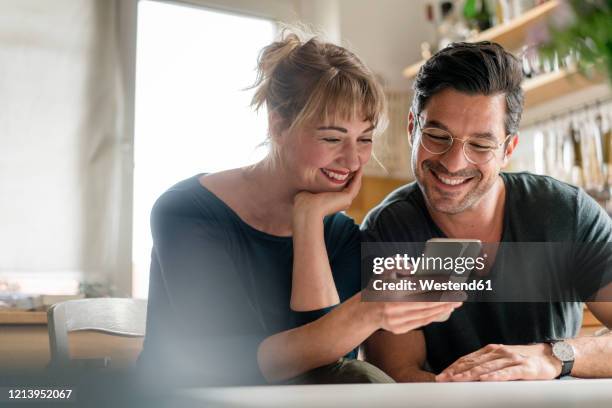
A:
463, 128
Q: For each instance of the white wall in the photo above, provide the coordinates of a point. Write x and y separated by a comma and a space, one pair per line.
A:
283, 10
322, 14
386, 34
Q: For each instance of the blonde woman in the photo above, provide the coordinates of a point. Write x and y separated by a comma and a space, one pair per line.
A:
255, 273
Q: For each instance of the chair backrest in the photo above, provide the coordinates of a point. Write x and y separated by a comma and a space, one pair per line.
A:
116, 316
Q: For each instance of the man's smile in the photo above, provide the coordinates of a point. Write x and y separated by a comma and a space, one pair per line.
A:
450, 181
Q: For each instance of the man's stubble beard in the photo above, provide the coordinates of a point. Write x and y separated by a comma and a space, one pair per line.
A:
470, 199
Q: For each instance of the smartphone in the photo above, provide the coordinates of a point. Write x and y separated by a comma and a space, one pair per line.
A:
451, 251
441, 253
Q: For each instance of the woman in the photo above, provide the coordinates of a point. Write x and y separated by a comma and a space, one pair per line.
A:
255, 274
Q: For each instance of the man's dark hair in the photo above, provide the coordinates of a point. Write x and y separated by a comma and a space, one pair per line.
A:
473, 68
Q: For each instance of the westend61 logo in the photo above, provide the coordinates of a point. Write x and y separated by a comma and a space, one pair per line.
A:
399, 262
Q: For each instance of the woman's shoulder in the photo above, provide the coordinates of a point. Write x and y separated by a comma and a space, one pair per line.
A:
340, 220
340, 229
188, 199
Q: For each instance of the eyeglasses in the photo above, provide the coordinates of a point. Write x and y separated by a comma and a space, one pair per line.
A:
475, 149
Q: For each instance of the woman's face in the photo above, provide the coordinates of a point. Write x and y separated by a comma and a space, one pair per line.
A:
325, 156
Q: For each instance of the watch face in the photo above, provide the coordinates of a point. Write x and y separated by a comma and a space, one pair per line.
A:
563, 351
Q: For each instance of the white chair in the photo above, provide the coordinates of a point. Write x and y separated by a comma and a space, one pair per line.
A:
115, 316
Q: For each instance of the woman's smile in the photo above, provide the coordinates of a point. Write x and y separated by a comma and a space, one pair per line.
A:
337, 176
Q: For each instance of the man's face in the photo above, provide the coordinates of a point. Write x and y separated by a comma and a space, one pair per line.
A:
452, 184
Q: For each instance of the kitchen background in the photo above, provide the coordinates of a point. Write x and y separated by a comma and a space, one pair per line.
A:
107, 103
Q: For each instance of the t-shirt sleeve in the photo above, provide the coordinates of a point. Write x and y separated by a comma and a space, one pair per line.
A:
200, 322
384, 224
345, 259
593, 247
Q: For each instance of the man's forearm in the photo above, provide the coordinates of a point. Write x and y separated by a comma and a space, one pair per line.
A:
413, 374
400, 356
593, 356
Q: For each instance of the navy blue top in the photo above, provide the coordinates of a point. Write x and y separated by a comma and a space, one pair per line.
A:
218, 287
537, 209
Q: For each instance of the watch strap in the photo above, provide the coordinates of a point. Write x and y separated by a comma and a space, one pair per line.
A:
566, 368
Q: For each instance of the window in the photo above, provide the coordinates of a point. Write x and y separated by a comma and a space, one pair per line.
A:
192, 113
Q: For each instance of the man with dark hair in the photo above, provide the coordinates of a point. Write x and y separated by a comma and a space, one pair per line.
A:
463, 128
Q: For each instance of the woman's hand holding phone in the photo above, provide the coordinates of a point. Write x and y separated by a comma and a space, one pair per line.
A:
402, 317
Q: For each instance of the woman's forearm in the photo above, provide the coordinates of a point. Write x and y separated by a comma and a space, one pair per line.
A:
313, 284
323, 341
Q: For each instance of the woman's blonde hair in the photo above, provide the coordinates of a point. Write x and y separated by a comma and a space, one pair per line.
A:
306, 79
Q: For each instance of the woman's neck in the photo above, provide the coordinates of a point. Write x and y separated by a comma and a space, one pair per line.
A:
267, 197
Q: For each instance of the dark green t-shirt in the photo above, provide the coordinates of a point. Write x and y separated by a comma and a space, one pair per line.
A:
218, 287
537, 209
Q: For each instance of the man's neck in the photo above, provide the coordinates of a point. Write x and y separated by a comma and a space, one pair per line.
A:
483, 221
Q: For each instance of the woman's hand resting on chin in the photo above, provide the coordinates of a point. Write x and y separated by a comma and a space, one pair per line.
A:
310, 204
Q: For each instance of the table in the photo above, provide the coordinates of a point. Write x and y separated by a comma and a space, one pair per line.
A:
541, 394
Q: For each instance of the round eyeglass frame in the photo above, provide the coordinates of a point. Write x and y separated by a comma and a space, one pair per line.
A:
453, 138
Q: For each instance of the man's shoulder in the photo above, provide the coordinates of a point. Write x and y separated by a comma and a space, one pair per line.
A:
551, 209
401, 217
401, 201
539, 186
536, 194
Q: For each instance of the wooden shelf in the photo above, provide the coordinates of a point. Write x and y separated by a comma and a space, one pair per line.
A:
510, 35
22, 317
513, 34
546, 87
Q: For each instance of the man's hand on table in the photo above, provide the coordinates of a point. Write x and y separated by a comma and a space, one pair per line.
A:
498, 362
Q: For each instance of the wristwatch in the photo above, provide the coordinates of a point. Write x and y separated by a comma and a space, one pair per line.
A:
564, 352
